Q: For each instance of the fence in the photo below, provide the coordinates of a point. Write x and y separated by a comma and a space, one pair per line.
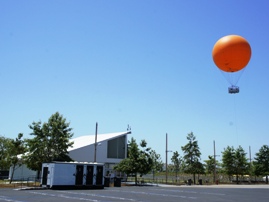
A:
199, 179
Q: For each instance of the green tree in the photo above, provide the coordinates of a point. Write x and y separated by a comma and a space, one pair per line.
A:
145, 160
261, 162
4, 146
50, 143
157, 164
199, 168
228, 159
210, 165
242, 164
15, 148
192, 156
138, 161
176, 160
235, 162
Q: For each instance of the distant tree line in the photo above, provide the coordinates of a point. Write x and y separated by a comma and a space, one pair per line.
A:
51, 140
234, 161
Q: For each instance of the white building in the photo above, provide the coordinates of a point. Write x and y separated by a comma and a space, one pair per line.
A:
111, 148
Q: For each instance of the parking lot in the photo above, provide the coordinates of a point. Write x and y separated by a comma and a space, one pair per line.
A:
142, 194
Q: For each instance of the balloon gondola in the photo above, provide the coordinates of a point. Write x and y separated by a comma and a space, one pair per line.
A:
233, 89
231, 54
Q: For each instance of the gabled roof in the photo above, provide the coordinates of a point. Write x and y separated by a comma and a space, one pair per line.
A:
87, 140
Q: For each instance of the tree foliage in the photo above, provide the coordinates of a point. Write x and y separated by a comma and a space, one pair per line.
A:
157, 164
4, 147
234, 161
50, 142
228, 157
192, 156
139, 161
261, 163
15, 148
210, 165
176, 160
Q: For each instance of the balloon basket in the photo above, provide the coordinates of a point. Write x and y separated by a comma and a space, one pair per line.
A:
233, 89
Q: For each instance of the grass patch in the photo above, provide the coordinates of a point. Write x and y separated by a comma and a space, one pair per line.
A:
18, 184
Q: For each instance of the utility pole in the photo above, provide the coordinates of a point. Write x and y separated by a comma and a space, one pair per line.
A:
214, 162
250, 155
250, 163
166, 160
95, 144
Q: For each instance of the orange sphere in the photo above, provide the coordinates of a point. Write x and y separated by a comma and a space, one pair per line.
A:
231, 53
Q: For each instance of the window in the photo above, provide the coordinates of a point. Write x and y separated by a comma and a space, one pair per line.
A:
116, 148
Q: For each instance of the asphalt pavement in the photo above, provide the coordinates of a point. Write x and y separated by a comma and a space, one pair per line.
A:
158, 193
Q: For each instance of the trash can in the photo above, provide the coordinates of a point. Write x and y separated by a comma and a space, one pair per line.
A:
107, 181
117, 182
200, 182
189, 181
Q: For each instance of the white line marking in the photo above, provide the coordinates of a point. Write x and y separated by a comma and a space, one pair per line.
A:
98, 195
4, 198
155, 194
192, 192
63, 196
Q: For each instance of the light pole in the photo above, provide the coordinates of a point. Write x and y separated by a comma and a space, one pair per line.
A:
214, 162
95, 144
215, 172
166, 154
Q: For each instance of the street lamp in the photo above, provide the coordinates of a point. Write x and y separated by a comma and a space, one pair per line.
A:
166, 151
95, 143
215, 172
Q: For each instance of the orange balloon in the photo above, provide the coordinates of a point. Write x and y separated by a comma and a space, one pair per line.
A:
231, 53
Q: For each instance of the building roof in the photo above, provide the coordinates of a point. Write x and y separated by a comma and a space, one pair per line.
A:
87, 140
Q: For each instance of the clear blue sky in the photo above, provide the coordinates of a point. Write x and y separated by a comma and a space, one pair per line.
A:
146, 63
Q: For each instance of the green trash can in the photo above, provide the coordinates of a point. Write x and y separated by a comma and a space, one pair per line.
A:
189, 182
117, 182
107, 181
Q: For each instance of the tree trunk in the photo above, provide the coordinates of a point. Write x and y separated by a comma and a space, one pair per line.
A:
12, 173
194, 181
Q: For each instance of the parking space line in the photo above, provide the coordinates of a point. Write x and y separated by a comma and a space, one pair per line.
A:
191, 192
63, 196
4, 198
157, 194
99, 195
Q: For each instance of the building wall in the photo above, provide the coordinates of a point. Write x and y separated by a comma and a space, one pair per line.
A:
23, 173
117, 147
86, 154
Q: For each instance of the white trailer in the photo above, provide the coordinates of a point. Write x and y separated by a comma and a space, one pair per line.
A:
72, 175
